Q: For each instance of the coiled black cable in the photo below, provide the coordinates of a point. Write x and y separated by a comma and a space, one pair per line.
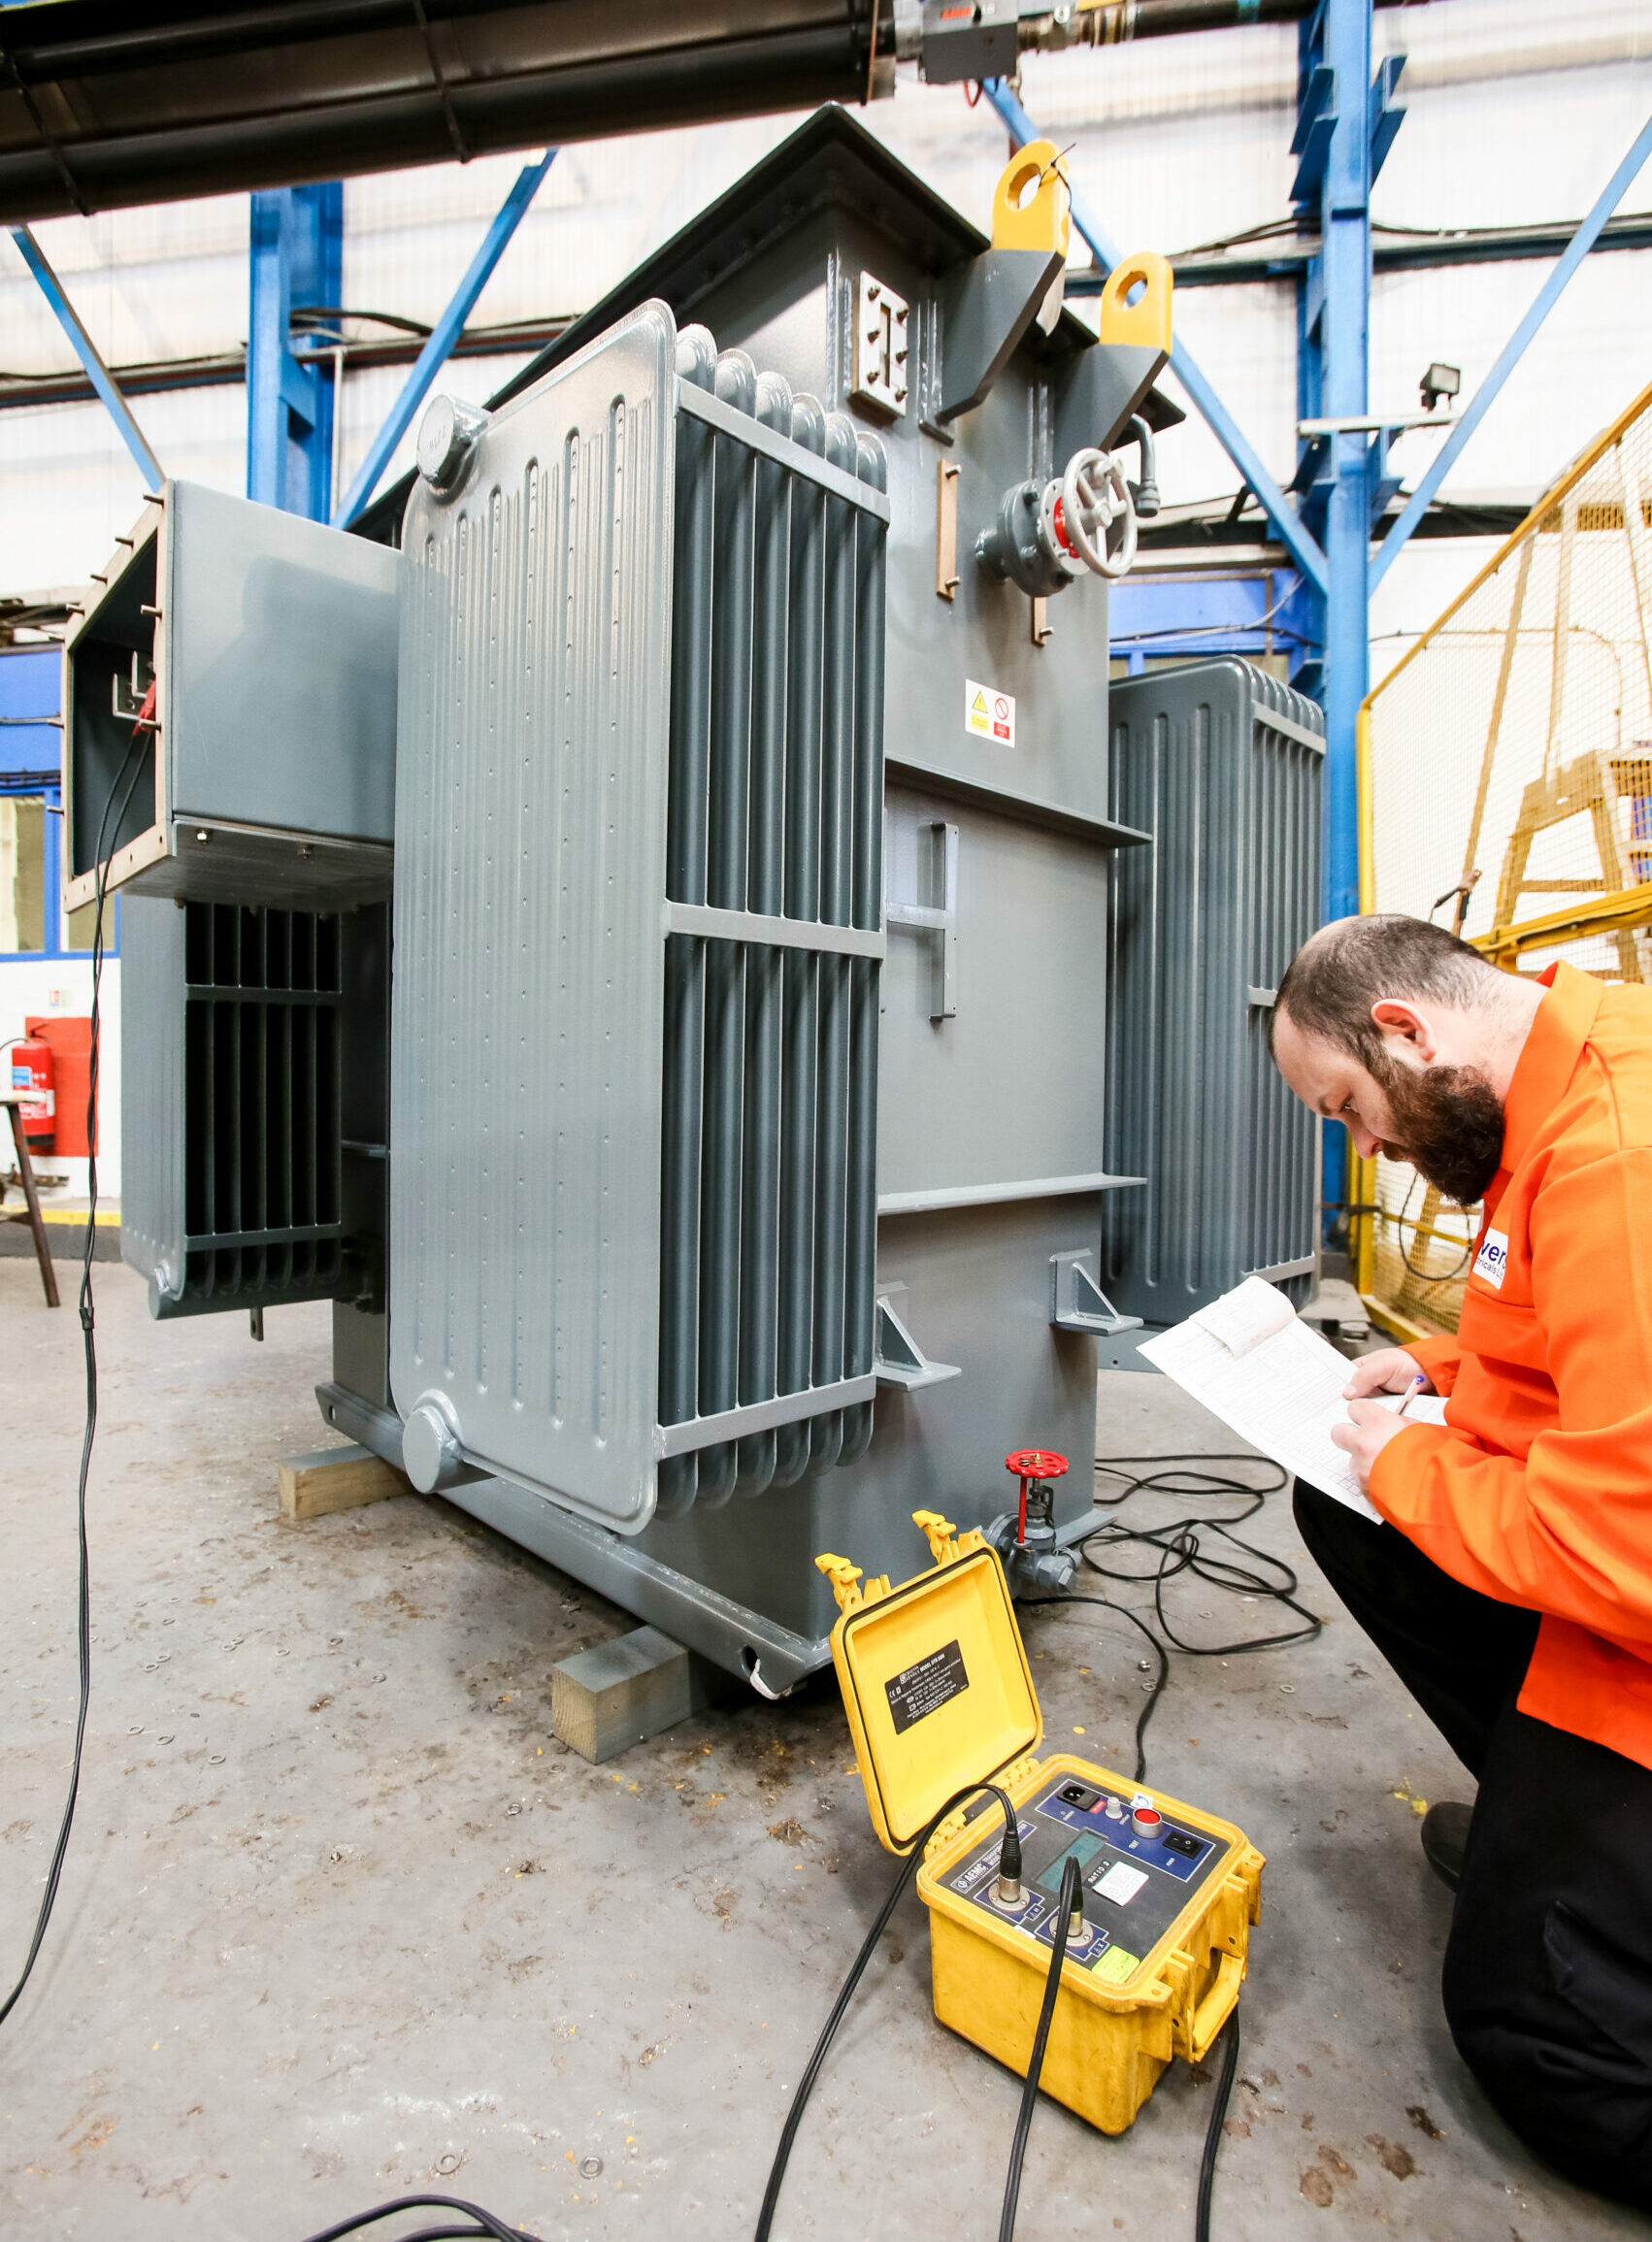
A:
1177, 1549
483, 2223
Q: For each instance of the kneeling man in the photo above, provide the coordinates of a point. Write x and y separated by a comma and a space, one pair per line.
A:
1512, 1588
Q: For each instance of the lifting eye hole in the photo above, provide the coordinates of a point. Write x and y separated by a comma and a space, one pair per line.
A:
1024, 187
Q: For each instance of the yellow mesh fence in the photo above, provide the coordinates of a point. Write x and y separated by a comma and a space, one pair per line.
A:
1507, 790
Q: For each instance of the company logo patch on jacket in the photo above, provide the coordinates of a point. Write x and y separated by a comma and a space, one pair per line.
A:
1492, 1260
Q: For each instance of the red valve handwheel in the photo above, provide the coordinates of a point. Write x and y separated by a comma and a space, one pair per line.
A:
1036, 1463
1028, 1464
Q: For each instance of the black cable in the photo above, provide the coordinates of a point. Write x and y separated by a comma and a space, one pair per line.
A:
1177, 1549
48, 1898
1214, 2130
1070, 1898
1156, 1688
839, 2007
485, 2223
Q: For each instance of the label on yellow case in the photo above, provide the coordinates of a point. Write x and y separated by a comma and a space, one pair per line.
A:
1115, 1965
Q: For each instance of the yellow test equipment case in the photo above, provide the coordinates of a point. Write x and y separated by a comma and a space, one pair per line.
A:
939, 1694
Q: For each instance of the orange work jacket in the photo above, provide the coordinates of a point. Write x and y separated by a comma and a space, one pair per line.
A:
1537, 1489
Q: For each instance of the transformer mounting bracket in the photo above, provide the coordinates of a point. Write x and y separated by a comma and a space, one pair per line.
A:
1077, 1302
897, 1359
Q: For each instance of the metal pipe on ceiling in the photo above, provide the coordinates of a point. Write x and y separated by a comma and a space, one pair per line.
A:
1114, 21
109, 103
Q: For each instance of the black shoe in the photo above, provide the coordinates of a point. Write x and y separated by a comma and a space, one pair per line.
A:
1445, 1836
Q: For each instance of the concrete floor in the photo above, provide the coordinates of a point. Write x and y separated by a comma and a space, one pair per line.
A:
340, 1919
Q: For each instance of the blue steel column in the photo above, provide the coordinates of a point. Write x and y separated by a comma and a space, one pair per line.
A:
1333, 184
1345, 232
1333, 137
297, 257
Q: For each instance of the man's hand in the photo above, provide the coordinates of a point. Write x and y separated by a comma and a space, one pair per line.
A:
1389, 1370
1370, 1428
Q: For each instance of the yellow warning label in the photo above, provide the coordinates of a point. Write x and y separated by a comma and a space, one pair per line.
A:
989, 713
1117, 1964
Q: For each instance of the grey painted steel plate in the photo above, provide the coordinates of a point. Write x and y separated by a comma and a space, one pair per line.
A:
532, 759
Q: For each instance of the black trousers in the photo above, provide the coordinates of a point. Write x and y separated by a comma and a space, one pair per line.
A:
1547, 1981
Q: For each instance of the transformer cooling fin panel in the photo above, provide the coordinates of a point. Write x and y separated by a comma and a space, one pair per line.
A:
532, 779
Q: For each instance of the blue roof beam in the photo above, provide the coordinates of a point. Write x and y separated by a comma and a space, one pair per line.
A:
442, 337
1542, 304
86, 351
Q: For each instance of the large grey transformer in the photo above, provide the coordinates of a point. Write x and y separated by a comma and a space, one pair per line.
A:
705, 1148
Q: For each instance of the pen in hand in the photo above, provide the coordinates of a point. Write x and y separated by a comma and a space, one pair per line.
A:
1412, 1391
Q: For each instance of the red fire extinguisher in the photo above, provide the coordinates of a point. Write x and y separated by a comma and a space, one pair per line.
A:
34, 1076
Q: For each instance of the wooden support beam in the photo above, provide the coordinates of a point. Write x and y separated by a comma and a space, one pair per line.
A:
329, 1479
619, 1693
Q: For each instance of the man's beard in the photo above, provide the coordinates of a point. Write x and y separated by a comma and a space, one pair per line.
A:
1447, 1123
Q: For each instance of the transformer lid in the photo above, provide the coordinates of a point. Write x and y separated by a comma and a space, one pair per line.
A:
830, 159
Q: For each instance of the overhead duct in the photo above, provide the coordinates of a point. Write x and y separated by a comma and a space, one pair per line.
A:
110, 103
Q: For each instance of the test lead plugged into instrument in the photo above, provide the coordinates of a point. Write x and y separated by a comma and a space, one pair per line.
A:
1008, 1889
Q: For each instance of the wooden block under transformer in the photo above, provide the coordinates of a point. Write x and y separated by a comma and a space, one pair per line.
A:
329, 1479
606, 1699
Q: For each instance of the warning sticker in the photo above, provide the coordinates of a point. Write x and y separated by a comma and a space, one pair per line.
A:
989, 713
1115, 1965
923, 1689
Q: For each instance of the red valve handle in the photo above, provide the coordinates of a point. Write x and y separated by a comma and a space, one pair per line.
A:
1036, 1463
1030, 1464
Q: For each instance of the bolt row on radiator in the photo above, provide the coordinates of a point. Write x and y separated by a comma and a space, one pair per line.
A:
769, 1200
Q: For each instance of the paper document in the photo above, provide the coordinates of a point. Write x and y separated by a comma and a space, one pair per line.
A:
1251, 1360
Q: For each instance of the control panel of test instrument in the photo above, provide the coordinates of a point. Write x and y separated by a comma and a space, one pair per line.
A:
1138, 1869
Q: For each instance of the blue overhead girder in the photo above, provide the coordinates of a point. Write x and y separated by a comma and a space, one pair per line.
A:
297, 257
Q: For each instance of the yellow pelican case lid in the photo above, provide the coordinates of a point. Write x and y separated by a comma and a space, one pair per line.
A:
935, 1679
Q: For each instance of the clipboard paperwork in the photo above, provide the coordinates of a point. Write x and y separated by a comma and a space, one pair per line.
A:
1251, 1360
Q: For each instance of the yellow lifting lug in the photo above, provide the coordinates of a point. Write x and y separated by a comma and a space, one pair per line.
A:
1146, 319
1032, 204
